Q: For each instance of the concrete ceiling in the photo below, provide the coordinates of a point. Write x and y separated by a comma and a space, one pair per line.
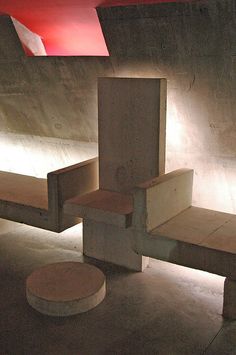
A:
67, 27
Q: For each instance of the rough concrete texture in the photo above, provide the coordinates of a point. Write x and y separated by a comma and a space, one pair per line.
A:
48, 97
229, 307
36, 156
167, 309
192, 45
107, 242
131, 131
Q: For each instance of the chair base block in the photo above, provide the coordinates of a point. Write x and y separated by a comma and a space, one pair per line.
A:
112, 244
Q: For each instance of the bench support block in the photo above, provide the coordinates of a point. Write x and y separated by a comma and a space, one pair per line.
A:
229, 305
112, 244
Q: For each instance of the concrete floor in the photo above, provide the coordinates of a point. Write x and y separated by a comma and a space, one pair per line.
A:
166, 310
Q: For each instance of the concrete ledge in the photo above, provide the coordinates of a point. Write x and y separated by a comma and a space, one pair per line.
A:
18, 212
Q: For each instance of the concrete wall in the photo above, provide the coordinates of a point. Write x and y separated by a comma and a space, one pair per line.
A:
36, 156
48, 107
192, 45
47, 97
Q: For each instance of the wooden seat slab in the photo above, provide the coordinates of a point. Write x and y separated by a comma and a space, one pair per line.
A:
24, 190
39, 202
102, 206
202, 239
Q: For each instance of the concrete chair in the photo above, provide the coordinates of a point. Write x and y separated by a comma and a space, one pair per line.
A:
131, 133
140, 212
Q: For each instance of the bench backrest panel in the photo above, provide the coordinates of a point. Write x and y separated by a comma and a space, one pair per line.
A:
131, 125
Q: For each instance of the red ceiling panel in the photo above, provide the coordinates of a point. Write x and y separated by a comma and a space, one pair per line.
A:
67, 27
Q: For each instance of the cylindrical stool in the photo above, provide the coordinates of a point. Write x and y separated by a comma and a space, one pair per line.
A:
66, 288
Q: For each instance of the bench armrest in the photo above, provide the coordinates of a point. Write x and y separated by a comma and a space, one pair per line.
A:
73, 180
68, 182
159, 199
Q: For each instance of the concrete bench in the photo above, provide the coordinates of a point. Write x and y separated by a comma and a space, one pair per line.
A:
168, 228
158, 221
139, 212
39, 202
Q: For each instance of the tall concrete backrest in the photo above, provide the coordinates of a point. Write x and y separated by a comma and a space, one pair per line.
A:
131, 131
131, 124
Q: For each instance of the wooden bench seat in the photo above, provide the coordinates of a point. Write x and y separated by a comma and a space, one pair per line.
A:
168, 228
25, 190
102, 206
201, 226
201, 239
39, 202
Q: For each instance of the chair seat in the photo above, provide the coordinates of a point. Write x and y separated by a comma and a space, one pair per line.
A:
102, 206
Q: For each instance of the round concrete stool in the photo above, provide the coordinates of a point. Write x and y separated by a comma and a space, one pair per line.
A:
66, 288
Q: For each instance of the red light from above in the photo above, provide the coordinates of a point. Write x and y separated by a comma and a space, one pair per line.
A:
66, 27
